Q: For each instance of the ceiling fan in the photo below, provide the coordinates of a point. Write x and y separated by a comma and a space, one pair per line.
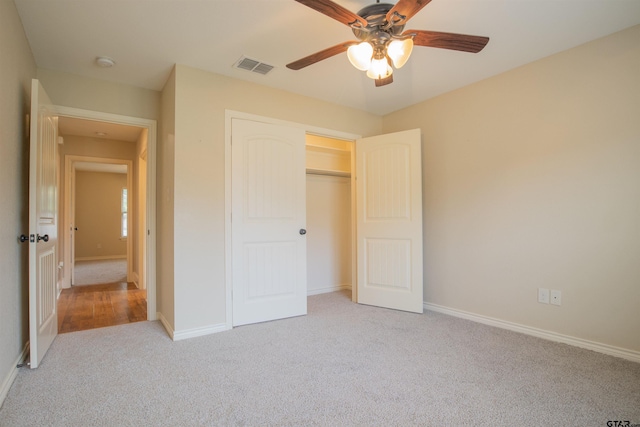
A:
381, 41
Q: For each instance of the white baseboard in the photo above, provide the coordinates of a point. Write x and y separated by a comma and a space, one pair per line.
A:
100, 258
623, 353
191, 333
327, 290
13, 373
198, 332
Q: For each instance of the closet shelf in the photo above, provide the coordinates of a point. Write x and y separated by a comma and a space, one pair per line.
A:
323, 149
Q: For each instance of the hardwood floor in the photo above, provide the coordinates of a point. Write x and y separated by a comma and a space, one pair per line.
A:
97, 306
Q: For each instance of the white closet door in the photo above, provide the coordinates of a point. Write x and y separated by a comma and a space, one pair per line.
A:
389, 221
268, 222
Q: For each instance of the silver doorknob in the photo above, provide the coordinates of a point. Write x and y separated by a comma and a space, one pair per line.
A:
303, 231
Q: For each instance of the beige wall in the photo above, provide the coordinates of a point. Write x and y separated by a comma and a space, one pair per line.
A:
17, 68
165, 204
199, 198
532, 179
328, 233
70, 90
97, 147
98, 196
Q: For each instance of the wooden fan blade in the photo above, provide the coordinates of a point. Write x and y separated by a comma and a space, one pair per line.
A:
335, 11
461, 42
319, 56
406, 8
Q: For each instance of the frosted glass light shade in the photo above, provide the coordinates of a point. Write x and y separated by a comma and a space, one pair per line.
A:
399, 51
360, 55
379, 69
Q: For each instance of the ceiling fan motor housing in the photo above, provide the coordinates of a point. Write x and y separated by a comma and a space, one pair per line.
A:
375, 15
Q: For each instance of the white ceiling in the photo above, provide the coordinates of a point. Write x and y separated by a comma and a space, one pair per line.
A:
147, 37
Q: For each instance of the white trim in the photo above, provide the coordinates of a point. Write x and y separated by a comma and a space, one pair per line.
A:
151, 126
191, 333
623, 353
100, 116
198, 332
328, 289
100, 258
354, 227
13, 373
312, 130
229, 116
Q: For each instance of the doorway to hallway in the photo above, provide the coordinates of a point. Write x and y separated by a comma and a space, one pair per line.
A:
96, 306
104, 274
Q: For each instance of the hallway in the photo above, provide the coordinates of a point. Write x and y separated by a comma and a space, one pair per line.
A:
97, 306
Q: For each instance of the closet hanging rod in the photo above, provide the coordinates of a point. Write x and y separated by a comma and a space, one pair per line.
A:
326, 172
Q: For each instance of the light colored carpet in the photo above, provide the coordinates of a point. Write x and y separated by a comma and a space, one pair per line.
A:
342, 364
100, 272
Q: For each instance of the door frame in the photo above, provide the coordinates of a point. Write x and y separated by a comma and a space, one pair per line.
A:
69, 205
330, 133
151, 127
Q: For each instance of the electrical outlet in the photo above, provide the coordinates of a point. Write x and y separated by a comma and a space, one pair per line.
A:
556, 297
543, 295
99, 245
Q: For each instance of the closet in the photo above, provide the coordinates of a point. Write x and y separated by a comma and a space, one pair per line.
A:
329, 252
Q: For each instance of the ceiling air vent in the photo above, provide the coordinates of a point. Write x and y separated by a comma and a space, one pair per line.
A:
253, 65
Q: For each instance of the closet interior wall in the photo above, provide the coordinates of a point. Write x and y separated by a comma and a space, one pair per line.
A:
329, 252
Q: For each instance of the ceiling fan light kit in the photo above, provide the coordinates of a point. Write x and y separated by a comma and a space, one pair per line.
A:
381, 41
399, 51
379, 69
360, 55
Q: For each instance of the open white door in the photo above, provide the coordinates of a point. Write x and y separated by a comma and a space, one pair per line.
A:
268, 222
389, 221
43, 218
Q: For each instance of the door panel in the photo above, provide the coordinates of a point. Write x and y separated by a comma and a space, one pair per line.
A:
268, 211
43, 218
389, 221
